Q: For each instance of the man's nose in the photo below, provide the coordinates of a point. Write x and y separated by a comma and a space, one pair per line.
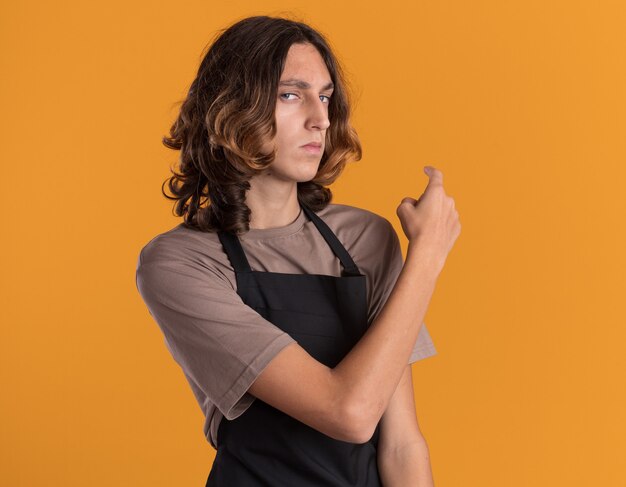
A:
318, 115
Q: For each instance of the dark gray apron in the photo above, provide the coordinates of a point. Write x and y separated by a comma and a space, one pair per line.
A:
327, 316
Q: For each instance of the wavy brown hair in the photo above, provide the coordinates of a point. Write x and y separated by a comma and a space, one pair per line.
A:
229, 112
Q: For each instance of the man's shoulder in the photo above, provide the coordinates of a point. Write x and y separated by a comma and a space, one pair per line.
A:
180, 242
354, 220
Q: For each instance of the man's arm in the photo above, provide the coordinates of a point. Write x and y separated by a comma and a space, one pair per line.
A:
403, 455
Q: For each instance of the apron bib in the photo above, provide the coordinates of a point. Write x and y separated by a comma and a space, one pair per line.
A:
327, 316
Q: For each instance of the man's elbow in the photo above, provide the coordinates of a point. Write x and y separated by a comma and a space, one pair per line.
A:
360, 423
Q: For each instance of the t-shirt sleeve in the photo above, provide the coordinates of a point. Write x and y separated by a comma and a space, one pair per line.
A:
389, 268
220, 343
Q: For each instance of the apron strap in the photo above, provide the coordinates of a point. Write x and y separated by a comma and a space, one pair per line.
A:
238, 259
340, 251
234, 251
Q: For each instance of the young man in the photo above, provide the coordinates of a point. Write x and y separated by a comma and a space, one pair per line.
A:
294, 319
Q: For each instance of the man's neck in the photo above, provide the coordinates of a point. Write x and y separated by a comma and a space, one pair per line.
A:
272, 203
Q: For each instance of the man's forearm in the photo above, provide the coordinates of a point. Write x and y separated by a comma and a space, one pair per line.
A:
407, 467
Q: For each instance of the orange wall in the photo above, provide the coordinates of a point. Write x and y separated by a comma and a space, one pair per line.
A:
520, 104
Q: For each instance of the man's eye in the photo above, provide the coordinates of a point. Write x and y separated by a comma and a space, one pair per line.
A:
287, 94
327, 98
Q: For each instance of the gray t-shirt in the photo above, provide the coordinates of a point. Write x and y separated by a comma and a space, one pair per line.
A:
222, 345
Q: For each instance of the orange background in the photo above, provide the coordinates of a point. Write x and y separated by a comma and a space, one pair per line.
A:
520, 104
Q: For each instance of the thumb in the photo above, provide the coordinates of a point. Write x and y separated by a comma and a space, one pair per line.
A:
435, 176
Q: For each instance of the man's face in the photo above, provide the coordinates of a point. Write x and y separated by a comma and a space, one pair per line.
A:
301, 115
